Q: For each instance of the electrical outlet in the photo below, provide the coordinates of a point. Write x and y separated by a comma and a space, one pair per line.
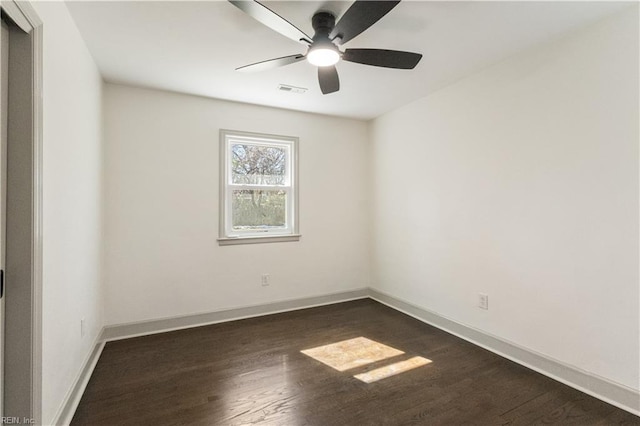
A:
483, 301
82, 328
265, 280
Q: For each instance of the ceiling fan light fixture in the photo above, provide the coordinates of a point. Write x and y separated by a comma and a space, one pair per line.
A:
323, 48
323, 56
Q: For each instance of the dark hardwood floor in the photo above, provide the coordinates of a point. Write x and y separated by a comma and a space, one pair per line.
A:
252, 372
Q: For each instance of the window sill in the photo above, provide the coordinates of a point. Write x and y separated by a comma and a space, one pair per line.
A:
232, 241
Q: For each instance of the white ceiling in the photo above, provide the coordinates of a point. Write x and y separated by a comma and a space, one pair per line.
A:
194, 47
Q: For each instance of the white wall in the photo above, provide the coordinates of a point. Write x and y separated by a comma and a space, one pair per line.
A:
72, 168
521, 182
161, 208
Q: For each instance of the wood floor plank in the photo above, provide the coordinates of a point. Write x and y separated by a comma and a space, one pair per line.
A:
253, 372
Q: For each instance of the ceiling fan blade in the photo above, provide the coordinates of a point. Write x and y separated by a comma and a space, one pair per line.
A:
361, 15
328, 78
272, 20
383, 58
271, 63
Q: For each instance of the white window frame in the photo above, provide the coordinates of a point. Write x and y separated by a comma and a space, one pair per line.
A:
229, 236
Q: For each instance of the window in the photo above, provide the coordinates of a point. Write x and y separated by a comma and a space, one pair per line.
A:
258, 190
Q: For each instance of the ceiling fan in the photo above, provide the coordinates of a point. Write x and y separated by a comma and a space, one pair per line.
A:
323, 50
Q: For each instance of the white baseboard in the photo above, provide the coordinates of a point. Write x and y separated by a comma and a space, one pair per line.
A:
142, 328
72, 399
613, 393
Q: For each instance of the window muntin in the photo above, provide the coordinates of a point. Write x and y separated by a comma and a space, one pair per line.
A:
258, 185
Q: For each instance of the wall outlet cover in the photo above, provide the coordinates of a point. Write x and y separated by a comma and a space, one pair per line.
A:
483, 301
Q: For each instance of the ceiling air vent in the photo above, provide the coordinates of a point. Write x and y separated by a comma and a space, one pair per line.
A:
291, 89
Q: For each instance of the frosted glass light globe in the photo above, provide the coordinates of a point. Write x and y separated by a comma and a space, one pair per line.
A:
323, 57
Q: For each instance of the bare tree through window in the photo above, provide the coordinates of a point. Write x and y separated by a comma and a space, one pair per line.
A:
258, 165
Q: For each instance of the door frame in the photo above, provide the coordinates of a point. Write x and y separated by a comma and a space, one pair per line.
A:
29, 390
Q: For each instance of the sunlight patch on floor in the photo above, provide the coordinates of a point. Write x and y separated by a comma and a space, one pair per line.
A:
351, 353
392, 369
361, 351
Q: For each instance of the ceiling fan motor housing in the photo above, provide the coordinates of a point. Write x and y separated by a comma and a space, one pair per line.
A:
323, 23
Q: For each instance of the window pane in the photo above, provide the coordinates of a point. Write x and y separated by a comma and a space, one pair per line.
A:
258, 164
258, 210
